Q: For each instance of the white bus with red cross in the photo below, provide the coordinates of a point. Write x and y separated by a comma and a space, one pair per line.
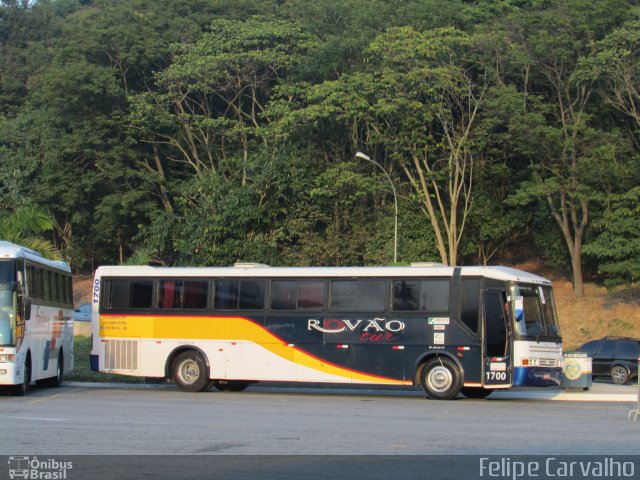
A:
36, 319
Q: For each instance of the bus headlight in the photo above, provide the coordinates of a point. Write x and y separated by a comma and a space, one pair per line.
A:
7, 357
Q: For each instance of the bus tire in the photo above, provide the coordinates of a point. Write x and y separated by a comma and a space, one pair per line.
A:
475, 392
22, 389
440, 378
190, 372
230, 385
56, 381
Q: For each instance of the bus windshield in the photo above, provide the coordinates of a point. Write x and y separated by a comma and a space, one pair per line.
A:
533, 309
7, 317
7, 274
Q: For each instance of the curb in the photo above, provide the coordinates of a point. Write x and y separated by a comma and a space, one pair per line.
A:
553, 395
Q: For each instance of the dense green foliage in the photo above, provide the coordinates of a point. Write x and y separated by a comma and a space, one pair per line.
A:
205, 132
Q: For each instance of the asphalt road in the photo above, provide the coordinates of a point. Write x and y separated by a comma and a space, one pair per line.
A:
78, 420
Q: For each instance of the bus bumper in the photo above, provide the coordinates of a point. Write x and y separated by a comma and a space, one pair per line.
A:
537, 377
8, 373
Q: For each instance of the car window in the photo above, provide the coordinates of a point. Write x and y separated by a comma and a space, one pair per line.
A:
608, 348
626, 349
591, 347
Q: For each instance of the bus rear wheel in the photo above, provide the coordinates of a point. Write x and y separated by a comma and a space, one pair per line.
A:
475, 392
230, 385
440, 379
190, 372
54, 382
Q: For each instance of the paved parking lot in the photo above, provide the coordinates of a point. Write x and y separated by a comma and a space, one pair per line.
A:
79, 419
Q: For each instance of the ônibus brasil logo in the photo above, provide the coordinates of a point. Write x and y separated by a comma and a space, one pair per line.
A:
33, 468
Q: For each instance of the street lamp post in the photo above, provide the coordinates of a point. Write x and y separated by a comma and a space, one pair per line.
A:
395, 201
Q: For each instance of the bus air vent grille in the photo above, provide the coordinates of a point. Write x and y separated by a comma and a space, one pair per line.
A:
121, 355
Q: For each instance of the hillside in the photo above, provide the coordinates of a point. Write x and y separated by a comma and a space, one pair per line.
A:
595, 315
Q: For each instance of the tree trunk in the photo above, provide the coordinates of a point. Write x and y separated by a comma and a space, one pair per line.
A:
576, 267
567, 217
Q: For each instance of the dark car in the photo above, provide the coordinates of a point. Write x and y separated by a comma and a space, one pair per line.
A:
615, 357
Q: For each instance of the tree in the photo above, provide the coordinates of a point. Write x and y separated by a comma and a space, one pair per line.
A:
615, 66
26, 226
210, 102
567, 147
617, 241
415, 104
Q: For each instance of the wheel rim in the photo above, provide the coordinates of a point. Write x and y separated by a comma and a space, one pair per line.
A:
619, 375
189, 371
439, 379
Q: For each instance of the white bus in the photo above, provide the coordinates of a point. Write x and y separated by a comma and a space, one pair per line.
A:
36, 319
447, 329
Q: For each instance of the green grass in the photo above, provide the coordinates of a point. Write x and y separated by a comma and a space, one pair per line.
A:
82, 368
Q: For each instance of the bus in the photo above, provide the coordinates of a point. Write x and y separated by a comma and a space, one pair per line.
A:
36, 319
447, 329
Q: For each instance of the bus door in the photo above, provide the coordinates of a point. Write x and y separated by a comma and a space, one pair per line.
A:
497, 369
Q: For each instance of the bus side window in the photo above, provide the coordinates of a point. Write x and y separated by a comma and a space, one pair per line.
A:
140, 293
251, 294
226, 294
406, 295
31, 284
284, 294
55, 287
470, 309
69, 291
169, 294
195, 294
40, 281
310, 295
421, 295
118, 294
47, 285
358, 295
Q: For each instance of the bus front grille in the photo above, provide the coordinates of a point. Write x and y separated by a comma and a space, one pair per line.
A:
121, 355
548, 362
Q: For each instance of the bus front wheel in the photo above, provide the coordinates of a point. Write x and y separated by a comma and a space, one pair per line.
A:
190, 372
440, 378
22, 389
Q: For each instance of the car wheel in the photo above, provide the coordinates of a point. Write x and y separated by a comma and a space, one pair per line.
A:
619, 375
